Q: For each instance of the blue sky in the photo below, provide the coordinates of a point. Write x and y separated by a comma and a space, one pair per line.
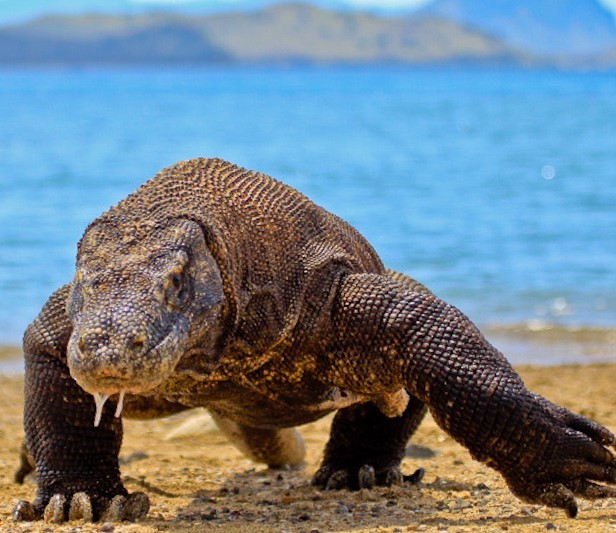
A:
15, 10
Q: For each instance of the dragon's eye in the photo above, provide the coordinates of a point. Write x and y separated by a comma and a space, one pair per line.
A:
177, 292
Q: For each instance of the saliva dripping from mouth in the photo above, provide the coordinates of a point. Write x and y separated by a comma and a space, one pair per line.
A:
100, 399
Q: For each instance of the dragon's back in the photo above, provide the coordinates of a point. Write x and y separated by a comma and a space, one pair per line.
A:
279, 253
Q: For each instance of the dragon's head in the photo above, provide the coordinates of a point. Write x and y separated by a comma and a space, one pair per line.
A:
141, 297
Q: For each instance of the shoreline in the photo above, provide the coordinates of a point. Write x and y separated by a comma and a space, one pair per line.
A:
538, 343
532, 343
11, 360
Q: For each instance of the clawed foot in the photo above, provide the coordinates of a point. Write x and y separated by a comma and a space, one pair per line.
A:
570, 455
365, 477
120, 508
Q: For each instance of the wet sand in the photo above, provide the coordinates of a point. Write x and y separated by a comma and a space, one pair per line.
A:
197, 481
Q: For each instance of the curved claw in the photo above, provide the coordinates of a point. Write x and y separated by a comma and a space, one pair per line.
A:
81, 508
321, 476
415, 477
24, 512
563, 495
120, 508
591, 429
364, 477
54, 512
557, 495
572, 453
129, 508
390, 477
137, 506
338, 480
593, 491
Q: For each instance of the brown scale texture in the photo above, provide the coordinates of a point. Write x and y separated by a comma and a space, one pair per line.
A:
266, 238
272, 314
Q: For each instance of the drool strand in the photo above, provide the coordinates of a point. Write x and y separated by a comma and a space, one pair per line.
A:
120, 405
99, 400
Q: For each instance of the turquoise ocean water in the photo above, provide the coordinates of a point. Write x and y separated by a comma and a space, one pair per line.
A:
496, 189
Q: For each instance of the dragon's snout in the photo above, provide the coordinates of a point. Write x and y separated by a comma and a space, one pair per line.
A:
100, 367
107, 362
96, 344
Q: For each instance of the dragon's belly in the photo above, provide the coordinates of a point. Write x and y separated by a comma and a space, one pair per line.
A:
250, 405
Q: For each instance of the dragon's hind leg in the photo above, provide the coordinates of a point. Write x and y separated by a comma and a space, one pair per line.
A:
276, 448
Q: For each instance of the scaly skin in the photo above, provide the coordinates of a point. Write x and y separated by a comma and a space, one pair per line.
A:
219, 287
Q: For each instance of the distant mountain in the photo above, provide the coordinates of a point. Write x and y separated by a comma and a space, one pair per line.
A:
303, 32
284, 33
106, 39
551, 27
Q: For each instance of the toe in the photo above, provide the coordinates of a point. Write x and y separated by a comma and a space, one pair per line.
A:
113, 513
415, 477
592, 491
338, 480
81, 508
54, 512
390, 477
584, 470
366, 477
137, 506
24, 512
558, 495
593, 430
321, 476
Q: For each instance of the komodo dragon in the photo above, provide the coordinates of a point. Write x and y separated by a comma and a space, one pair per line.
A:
215, 286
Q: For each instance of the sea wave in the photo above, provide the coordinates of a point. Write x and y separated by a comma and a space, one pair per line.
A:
544, 331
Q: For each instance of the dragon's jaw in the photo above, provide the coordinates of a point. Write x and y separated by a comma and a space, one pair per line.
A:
103, 375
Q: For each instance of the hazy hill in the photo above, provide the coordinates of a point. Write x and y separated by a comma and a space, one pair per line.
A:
554, 27
304, 32
94, 39
284, 33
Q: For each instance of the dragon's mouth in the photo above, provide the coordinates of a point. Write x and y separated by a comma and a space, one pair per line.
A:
142, 375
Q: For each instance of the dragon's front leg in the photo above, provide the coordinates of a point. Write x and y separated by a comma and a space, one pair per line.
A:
76, 463
387, 336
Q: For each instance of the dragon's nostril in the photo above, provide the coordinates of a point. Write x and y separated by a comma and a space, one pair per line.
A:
137, 344
82, 343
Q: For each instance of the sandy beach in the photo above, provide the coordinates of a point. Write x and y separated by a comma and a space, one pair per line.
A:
197, 481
